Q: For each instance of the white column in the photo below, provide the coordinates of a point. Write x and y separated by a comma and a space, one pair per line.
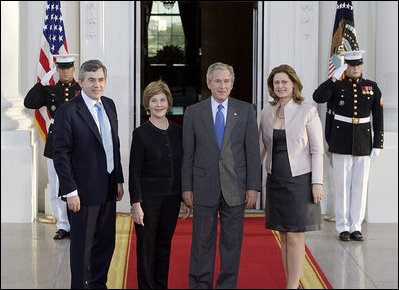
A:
387, 61
383, 183
306, 46
18, 158
294, 40
92, 39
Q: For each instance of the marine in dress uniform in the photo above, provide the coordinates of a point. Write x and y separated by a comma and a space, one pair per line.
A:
52, 97
353, 139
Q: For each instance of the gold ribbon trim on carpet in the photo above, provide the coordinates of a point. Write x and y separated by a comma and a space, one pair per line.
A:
310, 279
119, 263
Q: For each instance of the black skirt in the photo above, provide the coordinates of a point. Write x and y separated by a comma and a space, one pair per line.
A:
289, 200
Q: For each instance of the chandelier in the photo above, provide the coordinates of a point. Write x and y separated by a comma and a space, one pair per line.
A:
168, 4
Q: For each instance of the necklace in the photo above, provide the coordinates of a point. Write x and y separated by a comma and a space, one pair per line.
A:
281, 118
160, 124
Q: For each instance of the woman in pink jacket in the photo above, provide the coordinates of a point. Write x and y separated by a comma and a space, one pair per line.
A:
291, 137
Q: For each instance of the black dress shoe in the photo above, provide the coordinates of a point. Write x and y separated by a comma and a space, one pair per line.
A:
344, 236
356, 236
61, 234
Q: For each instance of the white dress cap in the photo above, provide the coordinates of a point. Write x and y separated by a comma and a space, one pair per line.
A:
352, 55
65, 58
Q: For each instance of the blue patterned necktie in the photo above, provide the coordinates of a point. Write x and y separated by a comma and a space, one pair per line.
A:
106, 137
219, 125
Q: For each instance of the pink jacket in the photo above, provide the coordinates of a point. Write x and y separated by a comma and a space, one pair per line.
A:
304, 135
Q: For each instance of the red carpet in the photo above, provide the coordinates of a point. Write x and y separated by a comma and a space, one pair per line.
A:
260, 268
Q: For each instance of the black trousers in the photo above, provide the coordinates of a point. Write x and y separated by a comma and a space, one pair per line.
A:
92, 244
154, 240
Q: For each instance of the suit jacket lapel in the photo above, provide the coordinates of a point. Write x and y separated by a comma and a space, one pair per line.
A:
231, 121
84, 112
209, 125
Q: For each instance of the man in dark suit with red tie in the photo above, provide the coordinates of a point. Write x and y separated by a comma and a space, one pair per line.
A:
87, 161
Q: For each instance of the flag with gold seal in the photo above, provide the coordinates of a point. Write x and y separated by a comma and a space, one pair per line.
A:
343, 39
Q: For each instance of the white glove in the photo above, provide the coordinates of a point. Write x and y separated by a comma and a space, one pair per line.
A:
46, 79
338, 73
375, 152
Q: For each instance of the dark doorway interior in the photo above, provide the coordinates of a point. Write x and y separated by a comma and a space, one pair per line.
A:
213, 31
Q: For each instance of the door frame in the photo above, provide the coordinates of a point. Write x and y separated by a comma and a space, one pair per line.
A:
259, 66
260, 73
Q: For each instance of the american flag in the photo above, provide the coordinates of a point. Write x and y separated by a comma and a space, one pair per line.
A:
344, 35
53, 42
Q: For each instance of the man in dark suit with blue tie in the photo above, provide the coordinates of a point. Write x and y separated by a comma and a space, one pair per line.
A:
87, 161
220, 175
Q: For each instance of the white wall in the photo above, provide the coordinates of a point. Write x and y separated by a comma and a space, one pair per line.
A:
383, 182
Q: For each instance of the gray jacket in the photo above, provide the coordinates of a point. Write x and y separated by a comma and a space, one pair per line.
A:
209, 171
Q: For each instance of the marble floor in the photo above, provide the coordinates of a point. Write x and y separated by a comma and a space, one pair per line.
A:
30, 258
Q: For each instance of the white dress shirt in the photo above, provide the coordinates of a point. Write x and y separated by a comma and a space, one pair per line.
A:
215, 109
